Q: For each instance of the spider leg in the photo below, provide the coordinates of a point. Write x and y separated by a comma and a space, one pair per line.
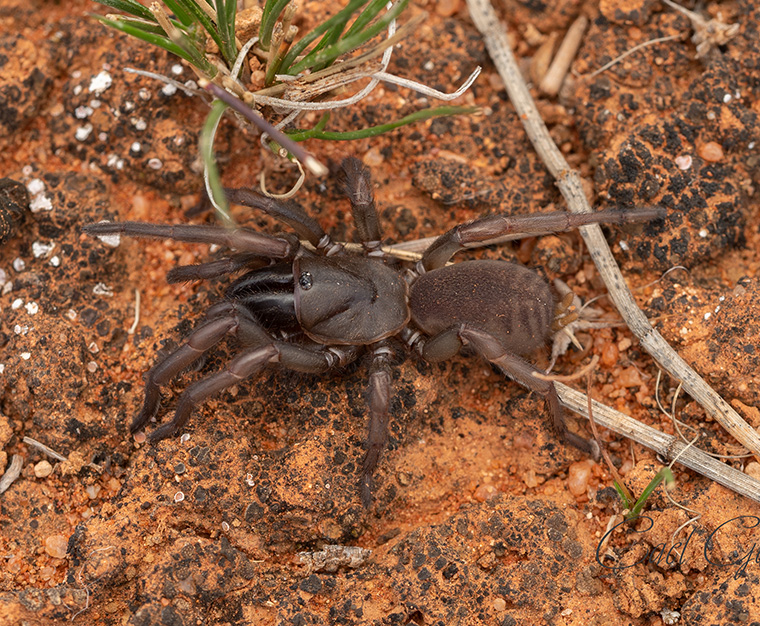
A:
214, 269
241, 367
247, 364
357, 185
493, 226
242, 239
289, 212
447, 343
260, 350
222, 321
379, 404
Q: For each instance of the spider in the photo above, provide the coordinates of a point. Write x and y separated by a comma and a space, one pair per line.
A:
312, 308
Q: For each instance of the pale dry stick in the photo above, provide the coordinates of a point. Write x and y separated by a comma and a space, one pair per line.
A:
569, 183
136, 320
667, 446
43, 448
555, 76
55, 455
614, 520
12, 472
186, 89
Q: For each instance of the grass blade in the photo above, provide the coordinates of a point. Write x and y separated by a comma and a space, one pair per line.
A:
664, 474
366, 16
196, 56
373, 131
180, 12
200, 16
272, 11
329, 54
225, 25
339, 18
135, 30
144, 25
333, 35
214, 186
129, 6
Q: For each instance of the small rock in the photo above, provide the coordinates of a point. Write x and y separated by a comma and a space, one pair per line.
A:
578, 476
753, 469
43, 469
711, 152
56, 545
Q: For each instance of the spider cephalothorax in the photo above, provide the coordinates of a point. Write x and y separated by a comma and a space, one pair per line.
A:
345, 304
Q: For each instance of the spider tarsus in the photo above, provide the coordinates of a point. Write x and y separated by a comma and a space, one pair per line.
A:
163, 432
365, 490
151, 404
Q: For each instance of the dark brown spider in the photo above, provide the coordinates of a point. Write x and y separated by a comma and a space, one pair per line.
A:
339, 305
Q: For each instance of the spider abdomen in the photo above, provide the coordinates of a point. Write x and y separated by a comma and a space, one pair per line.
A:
510, 302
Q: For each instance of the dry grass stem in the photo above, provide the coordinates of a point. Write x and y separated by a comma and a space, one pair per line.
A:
560, 65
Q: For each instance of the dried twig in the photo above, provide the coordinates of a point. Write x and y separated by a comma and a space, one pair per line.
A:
43, 448
569, 183
12, 473
56, 455
136, 320
561, 63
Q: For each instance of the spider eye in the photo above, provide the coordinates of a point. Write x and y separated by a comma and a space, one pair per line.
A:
305, 280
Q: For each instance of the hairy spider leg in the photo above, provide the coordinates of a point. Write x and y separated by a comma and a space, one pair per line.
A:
254, 249
259, 350
356, 181
215, 269
288, 212
241, 239
357, 185
447, 344
379, 399
218, 324
493, 226
243, 366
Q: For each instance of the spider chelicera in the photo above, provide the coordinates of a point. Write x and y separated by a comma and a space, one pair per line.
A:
314, 308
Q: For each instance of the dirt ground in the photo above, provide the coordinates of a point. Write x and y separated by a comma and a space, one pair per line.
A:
480, 515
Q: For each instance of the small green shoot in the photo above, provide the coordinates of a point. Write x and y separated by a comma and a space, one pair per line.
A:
635, 508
